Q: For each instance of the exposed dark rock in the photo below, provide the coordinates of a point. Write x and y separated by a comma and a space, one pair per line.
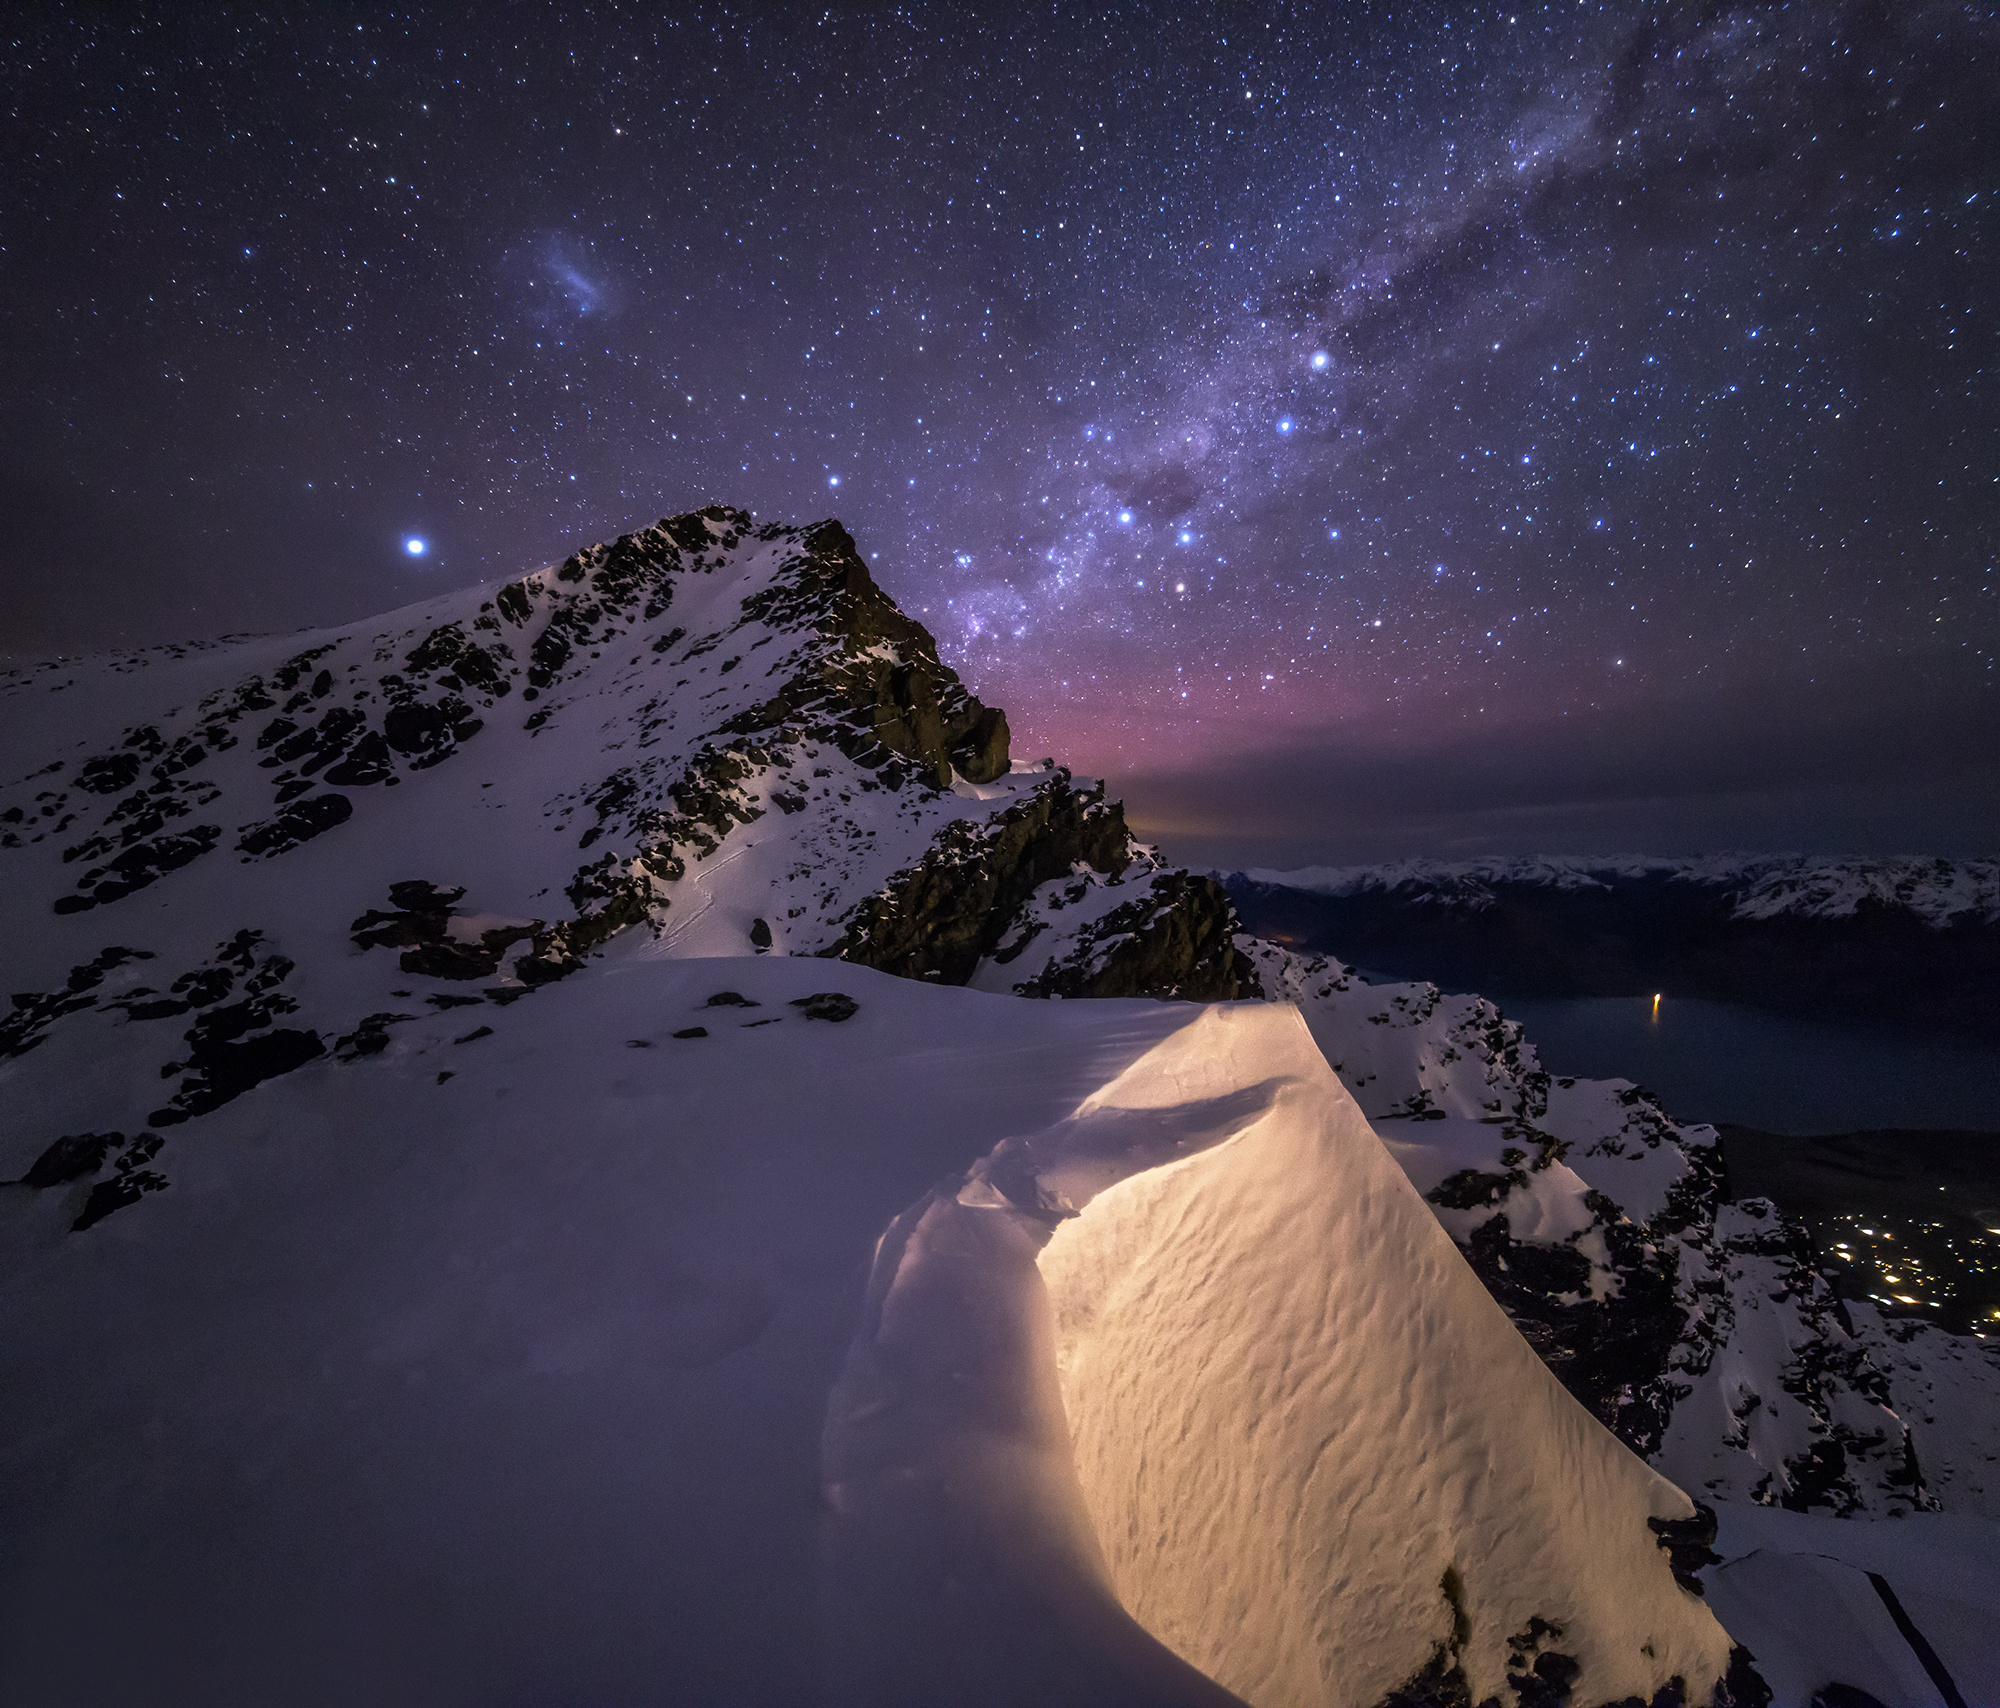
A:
475, 1035
114, 1194
1547, 1682
131, 1183
692, 1032
296, 824
760, 933
913, 705
1541, 1674
730, 999
1743, 1685
222, 1064
138, 866
36, 1011
1441, 1682
1176, 940
1609, 1353
421, 926
827, 1005
370, 1038
449, 959
422, 910
1471, 1189
368, 761
71, 1158
1689, 1545
428, 734
448, 648
941, 916
108, 773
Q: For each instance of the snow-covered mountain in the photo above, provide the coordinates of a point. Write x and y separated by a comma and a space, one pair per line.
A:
536, 1180
1937, 892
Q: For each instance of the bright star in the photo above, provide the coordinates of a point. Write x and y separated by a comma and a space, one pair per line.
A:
1285, 426
1320, 358
416, 545
1125, 516
833, 480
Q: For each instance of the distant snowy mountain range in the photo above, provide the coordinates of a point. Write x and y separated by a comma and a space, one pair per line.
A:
534, 1178
1755, 886
1903, 942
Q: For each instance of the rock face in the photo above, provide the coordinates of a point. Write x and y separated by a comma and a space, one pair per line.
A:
944, 915
1178, 939
888, 684
991, 890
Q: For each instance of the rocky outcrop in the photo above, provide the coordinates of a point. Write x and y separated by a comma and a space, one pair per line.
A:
886, 685
945, 914
421, 927
1177, 940
974, 894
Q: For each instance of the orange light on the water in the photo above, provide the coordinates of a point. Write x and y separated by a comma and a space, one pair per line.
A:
1656, 1005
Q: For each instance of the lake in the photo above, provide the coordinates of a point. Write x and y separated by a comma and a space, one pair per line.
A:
1719, 1061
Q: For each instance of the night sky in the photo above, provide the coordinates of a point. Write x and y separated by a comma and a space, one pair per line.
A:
1356, 431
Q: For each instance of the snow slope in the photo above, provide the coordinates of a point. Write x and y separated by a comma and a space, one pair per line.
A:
501, 1367
508, 1387
1315, 1451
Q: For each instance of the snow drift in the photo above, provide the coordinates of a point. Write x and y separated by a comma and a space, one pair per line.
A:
1316, 1458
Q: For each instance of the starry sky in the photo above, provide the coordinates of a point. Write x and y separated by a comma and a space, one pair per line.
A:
1355, 431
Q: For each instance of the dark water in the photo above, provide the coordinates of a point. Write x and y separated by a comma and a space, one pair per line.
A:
1718, 1061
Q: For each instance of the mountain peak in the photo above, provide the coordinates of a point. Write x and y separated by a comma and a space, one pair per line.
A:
717, 734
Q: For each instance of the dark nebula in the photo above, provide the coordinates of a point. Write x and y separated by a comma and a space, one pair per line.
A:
1357, 431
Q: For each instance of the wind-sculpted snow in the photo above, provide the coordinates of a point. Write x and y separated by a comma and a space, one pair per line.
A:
1700, 1333
1302, 1445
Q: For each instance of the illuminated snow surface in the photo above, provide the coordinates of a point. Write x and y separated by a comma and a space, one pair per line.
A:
514, 1386
447, 1330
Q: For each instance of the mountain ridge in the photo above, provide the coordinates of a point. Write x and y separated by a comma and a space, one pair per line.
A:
319, 864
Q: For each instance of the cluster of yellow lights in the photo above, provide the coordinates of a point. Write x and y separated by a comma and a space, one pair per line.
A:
1907, 1269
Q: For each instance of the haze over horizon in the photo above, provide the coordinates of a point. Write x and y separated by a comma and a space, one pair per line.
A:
1406, 431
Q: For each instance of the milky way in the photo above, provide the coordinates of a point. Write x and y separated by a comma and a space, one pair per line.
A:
1333, 402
